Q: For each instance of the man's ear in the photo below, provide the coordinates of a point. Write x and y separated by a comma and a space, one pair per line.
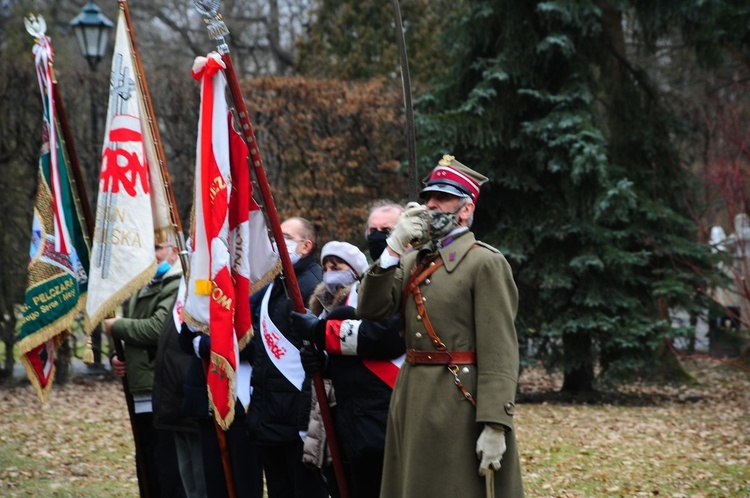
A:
175, 255
307, 247
466, 211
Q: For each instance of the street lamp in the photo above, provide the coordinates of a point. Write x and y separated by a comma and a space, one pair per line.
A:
92, 32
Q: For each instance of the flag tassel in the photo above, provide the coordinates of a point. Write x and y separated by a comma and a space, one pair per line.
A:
88, 353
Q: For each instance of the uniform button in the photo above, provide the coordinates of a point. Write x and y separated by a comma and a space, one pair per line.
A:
418, 335
465, 370
432, 264
510, 408
424, 299
427, 281
419, 318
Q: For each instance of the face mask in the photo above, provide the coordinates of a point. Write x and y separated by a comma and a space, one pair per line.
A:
376, 243
440, 224
163, 268
291, 247
334, 280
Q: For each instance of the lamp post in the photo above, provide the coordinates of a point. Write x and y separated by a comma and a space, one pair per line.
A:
92, 28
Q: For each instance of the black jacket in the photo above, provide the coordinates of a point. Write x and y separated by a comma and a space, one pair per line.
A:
169, 377
362, 398
195, 391
278, 411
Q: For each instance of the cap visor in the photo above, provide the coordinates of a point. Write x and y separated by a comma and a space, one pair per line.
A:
447, 189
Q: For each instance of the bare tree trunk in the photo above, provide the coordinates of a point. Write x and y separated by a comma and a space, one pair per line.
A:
62, 362
9, 339
581, 377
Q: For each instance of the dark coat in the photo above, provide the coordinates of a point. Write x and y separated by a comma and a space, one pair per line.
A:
362, 398
471, 302
195, 391
169, 378
278, 411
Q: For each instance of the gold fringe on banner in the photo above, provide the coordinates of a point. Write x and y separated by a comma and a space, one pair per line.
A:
225, 422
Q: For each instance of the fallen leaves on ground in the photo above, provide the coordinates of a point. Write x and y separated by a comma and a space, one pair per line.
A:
676, 441
79, 444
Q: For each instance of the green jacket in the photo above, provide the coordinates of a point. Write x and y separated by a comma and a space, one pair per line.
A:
471, 302
139, 332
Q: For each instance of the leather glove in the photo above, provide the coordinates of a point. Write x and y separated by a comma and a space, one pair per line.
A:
410, 226
308, 327
490, 449
313, 360
342, 313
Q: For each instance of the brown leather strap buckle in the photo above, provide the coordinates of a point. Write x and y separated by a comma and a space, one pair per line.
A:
441, 357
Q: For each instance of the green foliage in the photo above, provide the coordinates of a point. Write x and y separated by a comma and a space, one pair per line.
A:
587, 193
356, 40
714, 28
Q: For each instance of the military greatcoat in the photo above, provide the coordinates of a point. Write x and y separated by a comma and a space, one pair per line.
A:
471, 302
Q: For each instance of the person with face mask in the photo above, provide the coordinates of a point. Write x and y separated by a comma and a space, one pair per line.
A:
362, 358
381, 219
140, 329
450, 423
281, 395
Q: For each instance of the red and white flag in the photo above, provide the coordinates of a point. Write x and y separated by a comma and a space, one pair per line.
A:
218, 294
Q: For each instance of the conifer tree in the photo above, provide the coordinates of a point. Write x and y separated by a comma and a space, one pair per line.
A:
588, 193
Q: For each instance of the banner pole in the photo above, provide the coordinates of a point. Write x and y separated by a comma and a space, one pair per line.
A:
174, 216
218, 30
84, 208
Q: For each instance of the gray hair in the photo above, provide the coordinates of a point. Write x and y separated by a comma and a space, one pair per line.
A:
382, 204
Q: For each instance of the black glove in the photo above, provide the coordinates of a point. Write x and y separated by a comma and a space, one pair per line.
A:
313, 360
342, 313
186, 339
308, 328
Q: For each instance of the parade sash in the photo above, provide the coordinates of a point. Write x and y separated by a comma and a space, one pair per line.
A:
347, 332
282, 353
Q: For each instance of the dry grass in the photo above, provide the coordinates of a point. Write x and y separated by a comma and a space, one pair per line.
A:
644, 441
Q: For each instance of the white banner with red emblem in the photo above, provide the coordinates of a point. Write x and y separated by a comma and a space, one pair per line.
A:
132, 214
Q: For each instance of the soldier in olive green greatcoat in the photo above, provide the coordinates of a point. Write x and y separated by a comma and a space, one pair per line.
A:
451, 414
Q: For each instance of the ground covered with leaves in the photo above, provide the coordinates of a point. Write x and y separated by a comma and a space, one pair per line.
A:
642, 440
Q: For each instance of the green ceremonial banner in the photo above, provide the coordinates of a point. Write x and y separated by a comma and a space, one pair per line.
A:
58, 258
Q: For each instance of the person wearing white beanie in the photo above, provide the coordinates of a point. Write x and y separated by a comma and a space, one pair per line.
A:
361, 357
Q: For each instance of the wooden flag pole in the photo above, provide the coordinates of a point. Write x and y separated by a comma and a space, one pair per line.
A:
37, 27
218, 30
80, 189
160, 156
175, 218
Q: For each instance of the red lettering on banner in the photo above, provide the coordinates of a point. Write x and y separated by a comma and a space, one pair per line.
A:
271, 339
131, 172
122, 167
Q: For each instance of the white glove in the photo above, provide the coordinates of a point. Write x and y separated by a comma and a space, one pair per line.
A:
410, 226
490, 449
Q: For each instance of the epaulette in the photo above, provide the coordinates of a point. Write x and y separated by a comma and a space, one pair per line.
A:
487, 246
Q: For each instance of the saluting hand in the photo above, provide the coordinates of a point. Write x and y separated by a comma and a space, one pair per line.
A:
410, 226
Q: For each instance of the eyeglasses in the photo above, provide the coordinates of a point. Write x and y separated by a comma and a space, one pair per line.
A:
288, 238
162, 246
